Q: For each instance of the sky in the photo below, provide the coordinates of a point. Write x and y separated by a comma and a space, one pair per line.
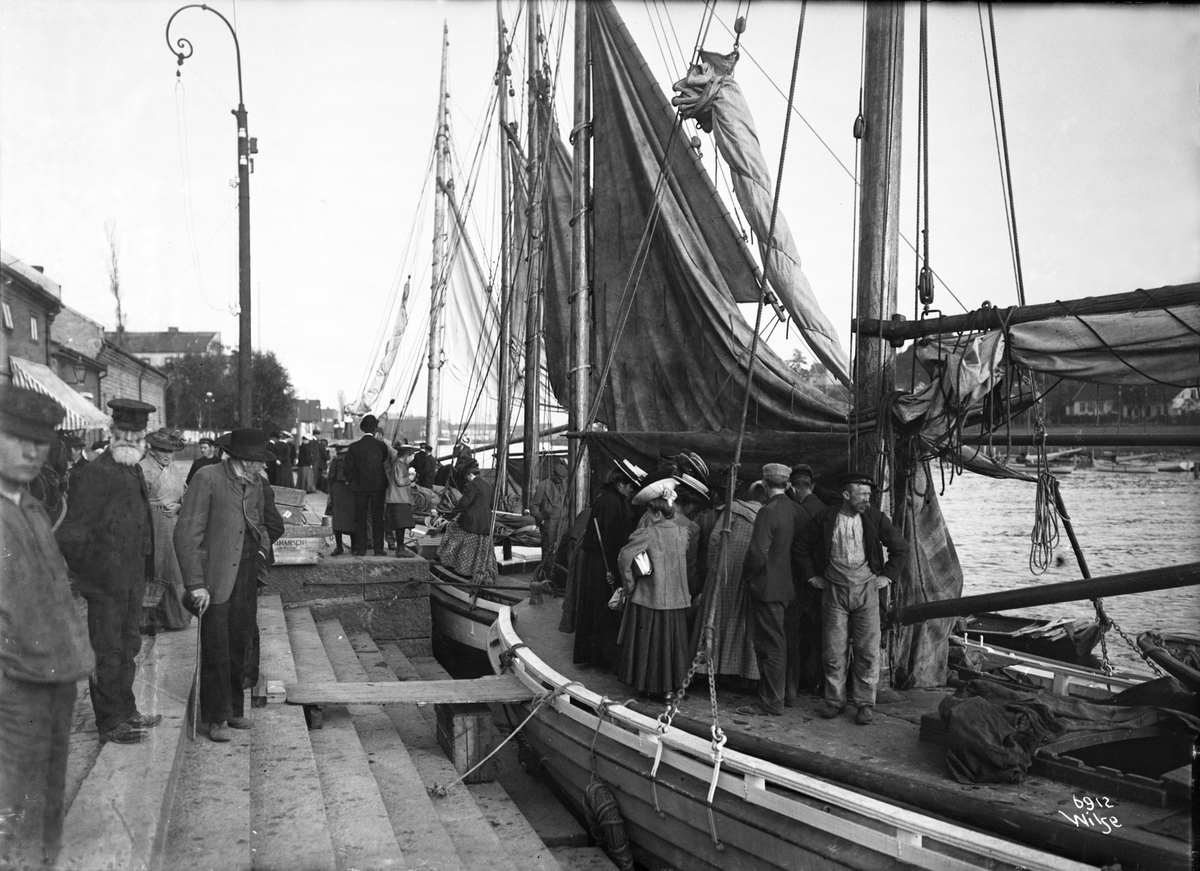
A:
96, 130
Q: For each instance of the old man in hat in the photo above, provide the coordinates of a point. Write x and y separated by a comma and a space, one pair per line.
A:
108, 541
841, 553
45, 647
223, 540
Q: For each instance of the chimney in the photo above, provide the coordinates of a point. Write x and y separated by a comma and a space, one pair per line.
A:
41, 269
172, 329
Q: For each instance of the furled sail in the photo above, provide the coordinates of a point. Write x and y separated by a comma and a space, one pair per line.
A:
379, 377
668, 272
712, 96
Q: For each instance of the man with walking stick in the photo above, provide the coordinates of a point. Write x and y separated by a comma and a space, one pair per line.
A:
223, 537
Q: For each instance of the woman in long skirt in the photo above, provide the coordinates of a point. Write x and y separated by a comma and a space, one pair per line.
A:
341, 504
608, 527
398, 501
166, 485
467, 545
654, 653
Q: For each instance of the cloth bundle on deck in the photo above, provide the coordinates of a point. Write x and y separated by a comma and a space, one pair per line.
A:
995, 730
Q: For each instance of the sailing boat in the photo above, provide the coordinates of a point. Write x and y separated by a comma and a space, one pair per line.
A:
669, 365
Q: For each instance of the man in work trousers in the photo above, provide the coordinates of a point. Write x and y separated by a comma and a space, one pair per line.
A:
805, 668
45, 647
108, 541
841, 553
768, 574
365, 470
223, 538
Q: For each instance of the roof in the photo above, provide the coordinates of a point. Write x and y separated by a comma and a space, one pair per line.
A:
26, 275
78, 333
171, 342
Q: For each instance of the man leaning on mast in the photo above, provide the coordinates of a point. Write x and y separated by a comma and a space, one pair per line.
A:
841, 553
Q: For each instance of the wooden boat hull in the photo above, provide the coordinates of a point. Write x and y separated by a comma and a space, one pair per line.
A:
1124, 468
1176, 466
762, 814
1049, 639
1175, 654
460, 619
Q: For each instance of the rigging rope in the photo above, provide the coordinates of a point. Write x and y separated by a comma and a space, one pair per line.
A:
1012, 207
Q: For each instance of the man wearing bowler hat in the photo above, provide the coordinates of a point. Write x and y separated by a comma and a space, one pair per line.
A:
841, 554
108, 541
223, 540
45, 647
365, 470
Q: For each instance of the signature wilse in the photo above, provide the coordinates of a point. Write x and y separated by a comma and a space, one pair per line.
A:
1090, 818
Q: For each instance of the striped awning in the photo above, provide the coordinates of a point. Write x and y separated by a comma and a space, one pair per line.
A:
81, 414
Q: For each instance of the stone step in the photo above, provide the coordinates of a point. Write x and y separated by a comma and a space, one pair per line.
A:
289, 829
359, 826
119, 816
477, 843
415, 823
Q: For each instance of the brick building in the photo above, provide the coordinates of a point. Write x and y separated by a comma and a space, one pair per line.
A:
157, 348
131, 378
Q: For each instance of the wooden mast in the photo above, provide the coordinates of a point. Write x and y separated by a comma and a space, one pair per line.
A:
581, 323
533, 318
438, 286
504, 408
879, 222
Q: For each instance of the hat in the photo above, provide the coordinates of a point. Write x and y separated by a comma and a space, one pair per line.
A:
425, 446
632, 472
689, 461
99, 444
854, 477
667, 454
130, 414
657, 484
469, 466
222, 441
368, 423
249, 443
28, 415
70, 439
207, 441
686, 480
802, 469
404, 449
307, 437
164, 439
776, 470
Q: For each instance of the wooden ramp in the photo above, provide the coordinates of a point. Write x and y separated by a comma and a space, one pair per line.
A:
364, 785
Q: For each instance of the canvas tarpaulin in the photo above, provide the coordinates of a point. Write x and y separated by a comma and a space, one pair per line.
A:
711, 95
666, 311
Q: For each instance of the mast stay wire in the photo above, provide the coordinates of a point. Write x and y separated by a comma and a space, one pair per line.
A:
1012, 206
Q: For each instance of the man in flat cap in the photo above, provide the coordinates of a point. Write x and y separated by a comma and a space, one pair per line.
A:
806, 670
108, 541
44, 648
768, 575
841, 553
209, 456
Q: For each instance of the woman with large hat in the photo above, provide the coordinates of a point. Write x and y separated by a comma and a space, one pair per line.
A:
609, 524
657, 567
397, 501
467, 546
162, 607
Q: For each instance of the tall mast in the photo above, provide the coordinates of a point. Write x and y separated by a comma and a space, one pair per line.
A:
438, 291
581, 333
533, 318
879, 220
504, 408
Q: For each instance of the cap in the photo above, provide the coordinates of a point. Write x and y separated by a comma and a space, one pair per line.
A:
776, 470
130, 414
855, 477
29, 415
802, 469
164, 439
207, 441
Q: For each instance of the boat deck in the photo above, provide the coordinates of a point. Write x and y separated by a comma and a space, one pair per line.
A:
888, 759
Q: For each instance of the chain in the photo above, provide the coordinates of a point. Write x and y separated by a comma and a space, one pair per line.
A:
1150, 662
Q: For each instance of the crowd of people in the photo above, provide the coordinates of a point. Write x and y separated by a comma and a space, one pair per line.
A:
787, 598
146, 549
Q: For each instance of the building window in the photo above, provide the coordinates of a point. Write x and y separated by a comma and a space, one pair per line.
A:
33, 328
8, 325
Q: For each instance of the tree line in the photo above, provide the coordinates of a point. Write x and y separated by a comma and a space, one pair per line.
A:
193, 377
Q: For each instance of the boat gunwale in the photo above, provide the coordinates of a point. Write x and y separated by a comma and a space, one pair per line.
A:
694, 756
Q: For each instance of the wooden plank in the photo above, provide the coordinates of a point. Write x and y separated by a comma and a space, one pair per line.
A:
500, 688
122, 808
476, 843
415, 823
289, 829
359, 827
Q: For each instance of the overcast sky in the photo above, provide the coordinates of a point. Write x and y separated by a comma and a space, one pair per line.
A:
95, 127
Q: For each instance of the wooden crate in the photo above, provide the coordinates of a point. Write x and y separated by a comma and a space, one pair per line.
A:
467, 734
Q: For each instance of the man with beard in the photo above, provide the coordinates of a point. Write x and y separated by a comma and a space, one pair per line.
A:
45, 645
223, 540
107, 539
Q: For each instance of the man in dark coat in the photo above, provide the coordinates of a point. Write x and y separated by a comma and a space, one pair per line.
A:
107, 539
365, 470
841, 553
45, 647
768, 574
209, 456
805, 667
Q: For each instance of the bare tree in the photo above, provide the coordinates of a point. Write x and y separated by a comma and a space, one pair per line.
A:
114, 276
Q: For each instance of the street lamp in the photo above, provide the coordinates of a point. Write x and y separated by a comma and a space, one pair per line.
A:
208, 404
182, 49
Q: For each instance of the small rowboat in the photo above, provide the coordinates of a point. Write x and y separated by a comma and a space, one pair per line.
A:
1178, 655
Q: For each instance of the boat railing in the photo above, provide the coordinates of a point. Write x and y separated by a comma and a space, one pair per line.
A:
792, 794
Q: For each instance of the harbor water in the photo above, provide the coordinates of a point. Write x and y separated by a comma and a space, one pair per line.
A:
1125, 523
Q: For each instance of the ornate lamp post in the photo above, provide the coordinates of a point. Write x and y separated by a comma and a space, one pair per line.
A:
182, 49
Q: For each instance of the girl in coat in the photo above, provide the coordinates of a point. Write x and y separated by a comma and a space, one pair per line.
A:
654, 652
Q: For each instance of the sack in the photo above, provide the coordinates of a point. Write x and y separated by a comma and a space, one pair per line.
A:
641, 565
617, 602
